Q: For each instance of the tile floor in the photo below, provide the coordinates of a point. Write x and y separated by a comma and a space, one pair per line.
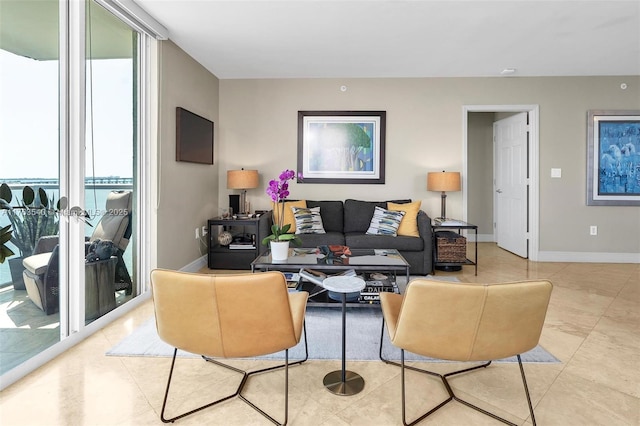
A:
593, 327
25, 330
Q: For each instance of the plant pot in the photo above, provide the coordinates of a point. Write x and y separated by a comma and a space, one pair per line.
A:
16, 268
279, 250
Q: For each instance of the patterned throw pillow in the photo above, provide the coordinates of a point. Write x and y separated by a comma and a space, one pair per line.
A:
385, 222
308, 220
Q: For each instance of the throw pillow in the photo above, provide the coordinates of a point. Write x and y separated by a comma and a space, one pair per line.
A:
308, 220
288, 214
409, 224
385, 222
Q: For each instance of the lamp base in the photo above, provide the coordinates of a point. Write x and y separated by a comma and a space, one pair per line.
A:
449, 268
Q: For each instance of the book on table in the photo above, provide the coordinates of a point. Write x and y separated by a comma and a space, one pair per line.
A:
293, 279
317, 277
242, 246
376, 283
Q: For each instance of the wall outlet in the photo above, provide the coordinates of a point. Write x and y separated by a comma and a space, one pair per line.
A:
204, 230
197, 233
593, 230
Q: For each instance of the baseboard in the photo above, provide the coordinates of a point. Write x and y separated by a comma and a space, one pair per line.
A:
587, 257
196, 265
569, 256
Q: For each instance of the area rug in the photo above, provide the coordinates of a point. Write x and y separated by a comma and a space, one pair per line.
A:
324, 327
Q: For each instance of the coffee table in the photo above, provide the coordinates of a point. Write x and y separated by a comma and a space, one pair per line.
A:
360, 260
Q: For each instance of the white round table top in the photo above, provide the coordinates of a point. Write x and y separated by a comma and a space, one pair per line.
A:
343, 284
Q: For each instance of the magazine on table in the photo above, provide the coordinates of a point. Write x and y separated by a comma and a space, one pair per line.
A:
317, 277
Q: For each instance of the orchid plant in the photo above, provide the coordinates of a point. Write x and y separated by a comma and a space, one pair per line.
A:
278, 190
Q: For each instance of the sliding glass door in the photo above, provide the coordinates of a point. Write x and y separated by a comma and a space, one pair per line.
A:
70, 79
111, 142
29, 174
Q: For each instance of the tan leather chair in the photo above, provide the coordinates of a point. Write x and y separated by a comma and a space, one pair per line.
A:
228, 316
465, 322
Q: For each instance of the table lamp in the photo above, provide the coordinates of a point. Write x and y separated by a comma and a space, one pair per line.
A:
443, 182
242, 179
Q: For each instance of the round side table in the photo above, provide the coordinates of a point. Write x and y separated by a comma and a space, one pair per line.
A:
343, 382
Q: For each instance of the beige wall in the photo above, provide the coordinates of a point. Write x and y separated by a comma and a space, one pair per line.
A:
258, 129
187, 192
480, 170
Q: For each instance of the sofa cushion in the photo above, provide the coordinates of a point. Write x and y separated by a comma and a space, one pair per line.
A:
315, 240
364, 241
332, 213
308, 220
385, 222
358, 214
288, 214
409, 224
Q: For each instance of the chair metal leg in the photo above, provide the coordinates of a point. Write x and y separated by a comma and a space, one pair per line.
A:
445, 382
243, 382
526, 391
166, 394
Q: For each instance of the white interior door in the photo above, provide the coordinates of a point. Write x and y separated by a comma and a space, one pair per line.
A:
511, 181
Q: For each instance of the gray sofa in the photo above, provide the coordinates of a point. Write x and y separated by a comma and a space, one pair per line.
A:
346, 223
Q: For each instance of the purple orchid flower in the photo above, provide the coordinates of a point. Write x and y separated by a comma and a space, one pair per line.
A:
278, 191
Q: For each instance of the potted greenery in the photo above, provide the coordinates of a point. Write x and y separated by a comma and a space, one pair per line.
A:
30, 219
5, 236
279, 239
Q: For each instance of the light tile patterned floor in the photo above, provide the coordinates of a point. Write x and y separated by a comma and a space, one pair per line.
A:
593, 327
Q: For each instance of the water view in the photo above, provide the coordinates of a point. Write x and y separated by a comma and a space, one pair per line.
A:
96, 192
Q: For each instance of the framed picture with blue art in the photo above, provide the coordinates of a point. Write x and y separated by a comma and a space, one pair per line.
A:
613, 169
341, 146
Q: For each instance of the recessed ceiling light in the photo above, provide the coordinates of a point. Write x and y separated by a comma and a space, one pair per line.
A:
508, 71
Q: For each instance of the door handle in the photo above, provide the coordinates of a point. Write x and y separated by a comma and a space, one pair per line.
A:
499, 191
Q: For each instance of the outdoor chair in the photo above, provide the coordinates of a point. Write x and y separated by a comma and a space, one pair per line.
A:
103, 278
464, 322
228, 316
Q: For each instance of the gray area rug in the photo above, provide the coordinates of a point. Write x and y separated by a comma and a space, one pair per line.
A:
324, 327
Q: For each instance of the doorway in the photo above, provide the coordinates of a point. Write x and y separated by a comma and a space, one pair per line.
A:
478, 171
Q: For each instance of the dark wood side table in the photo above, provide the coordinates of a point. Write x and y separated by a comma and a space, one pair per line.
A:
228, 257
458, 226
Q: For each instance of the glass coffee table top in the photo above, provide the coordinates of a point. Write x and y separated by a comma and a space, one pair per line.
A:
360, 259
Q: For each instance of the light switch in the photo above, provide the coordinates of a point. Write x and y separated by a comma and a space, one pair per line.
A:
556, 173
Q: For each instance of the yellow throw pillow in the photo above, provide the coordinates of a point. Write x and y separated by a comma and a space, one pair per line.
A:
288, 213
409, 224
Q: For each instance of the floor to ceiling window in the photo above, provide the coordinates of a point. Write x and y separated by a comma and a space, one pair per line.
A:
74, 129
111, 74
29, 169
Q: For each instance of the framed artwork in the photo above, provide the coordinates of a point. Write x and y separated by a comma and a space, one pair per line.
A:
613, 169
341, 146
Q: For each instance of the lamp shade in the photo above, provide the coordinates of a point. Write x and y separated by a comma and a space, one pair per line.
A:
242, 179
443, 181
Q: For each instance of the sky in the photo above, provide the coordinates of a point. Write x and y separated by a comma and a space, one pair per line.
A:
29, 118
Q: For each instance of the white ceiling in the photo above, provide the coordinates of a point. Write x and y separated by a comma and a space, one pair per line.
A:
420, 38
